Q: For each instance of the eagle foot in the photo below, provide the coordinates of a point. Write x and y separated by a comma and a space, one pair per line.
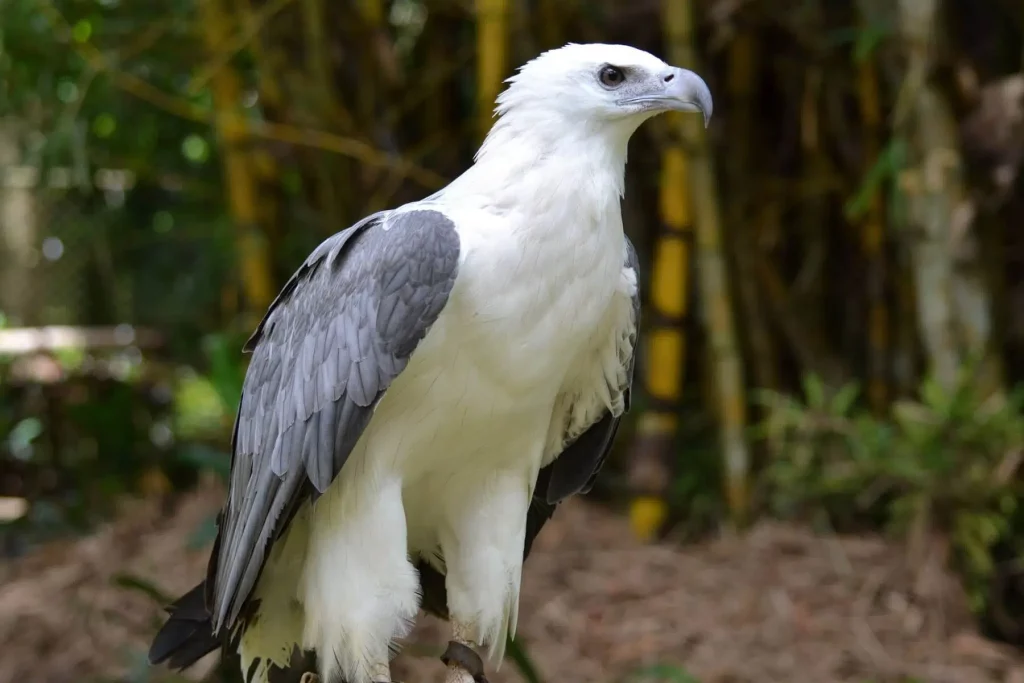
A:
309, 677
461, 655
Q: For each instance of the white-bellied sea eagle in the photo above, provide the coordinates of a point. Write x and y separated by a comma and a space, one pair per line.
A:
428, 386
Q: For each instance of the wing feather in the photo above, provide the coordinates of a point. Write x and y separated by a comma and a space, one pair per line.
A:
336, 336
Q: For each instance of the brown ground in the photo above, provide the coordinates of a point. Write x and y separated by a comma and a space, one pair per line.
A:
779, 604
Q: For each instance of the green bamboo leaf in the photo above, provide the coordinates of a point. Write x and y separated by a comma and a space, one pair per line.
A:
141, 585
516, 651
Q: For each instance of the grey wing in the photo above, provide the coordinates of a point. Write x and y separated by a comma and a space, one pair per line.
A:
342, 328
576, 468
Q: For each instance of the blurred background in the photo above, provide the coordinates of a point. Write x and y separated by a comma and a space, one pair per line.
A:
821, 477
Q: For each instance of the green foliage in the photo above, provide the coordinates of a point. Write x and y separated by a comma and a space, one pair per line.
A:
206, 403
887, 167
948, 462
517, 651
662, 673
73, 448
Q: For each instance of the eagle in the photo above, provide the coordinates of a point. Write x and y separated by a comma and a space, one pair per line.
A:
428, 386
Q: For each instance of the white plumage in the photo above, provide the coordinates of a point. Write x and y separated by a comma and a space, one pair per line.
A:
533, 345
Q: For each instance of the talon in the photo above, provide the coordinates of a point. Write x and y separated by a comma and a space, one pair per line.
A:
464, 657
309, 677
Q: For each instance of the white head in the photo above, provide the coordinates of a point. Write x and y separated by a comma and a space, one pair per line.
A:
603, 83
571, 112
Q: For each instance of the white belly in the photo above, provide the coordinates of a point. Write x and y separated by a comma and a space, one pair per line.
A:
448, 463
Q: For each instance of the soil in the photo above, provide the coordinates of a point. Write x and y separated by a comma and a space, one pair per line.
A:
778, 603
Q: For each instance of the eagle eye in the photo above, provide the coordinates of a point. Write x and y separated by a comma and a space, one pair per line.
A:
611, 76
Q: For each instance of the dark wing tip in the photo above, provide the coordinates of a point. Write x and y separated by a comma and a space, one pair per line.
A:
572, 471
187, 636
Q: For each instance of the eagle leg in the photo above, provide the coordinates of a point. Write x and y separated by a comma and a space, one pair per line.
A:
460, 656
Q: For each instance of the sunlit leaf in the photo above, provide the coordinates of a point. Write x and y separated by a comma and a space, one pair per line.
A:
82, 31
195, 149
104, 125
23, 434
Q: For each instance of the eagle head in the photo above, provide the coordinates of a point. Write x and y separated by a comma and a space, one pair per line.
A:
606, 83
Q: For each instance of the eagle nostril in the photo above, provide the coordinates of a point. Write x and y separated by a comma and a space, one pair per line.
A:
669, 76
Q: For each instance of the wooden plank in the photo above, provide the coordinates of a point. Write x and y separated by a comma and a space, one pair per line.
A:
26, 340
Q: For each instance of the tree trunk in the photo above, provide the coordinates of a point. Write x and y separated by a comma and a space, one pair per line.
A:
19, 237
953, 302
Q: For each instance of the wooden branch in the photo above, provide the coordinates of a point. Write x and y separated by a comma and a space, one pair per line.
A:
27, 340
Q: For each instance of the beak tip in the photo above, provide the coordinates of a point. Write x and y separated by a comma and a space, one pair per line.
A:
699, 94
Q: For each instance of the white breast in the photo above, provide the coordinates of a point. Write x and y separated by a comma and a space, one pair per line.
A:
531, 293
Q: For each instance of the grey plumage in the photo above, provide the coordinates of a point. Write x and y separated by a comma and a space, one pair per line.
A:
341, 330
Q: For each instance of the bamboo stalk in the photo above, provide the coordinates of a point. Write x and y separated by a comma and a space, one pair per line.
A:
266, 172
318, 67
550, 19
872, 235
717, 301
651, 454
372, 16
803, 337
253, 256
437, 114
492, 55
742, 63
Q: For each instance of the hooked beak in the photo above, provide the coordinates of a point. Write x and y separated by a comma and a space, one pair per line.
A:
681, 90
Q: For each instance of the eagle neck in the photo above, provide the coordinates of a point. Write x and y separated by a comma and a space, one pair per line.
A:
554, 164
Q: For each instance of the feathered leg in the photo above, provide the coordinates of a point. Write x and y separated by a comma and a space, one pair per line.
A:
482, 546
360, 590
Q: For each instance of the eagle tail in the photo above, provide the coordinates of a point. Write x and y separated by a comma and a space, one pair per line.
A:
187, 635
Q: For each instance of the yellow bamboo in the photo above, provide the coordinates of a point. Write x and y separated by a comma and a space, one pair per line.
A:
549, 16
318, 69
871, 243
650, 460
372, 11
265, 168
717, 306
253, 256
492, 55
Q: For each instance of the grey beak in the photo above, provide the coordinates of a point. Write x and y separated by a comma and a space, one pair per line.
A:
686, 91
